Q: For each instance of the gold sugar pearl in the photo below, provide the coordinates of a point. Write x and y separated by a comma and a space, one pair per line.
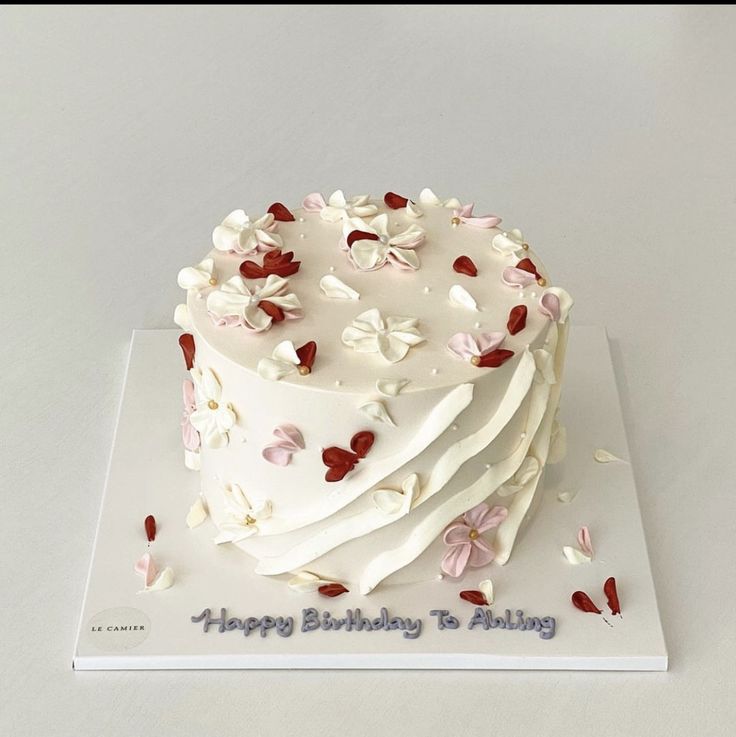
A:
304, 370
475, 360
473, 534
213, 281
249, 520
542, 281
212, 404
525, 246
455, 221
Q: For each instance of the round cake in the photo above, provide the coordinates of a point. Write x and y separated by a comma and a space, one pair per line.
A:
372, 382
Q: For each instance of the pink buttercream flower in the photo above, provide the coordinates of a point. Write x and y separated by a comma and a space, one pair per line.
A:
189, 436
465, 215
466, 546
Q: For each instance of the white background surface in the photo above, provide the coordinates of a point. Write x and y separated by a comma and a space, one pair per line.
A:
607, 134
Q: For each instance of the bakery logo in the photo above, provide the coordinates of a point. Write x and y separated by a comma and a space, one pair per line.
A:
118, 629
354, 621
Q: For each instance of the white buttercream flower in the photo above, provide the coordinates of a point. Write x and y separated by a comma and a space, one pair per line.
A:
199, 277
338, 207
242, 516
368, 333
212, 418
284, 360
370, 246
254, 308
238, 234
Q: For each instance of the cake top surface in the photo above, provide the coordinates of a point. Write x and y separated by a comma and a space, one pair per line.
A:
388, 290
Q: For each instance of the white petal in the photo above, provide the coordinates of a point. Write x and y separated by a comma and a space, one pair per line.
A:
364, 210
545, 373
388, 501
331, 214
391, 348
527, 471
413, 211
410, 486
196, 277
452, 203
225, 418
164, 581
428, 197
197, 514
574, 556
566, 301
460, 297
272, 286
273, 370
193, 460
377, 411
486, 588
565, 496
334, 288
404, 256
505, 245
182, 318
285, 351
225, 239
603, 456
237, 220
391, 387
368, 255
337, 199
211, 388
370, 320
379, 225
261, 509
306, 583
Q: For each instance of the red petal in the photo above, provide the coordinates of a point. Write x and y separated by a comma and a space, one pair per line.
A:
517, 319
495, 358
526, 264
307, 354
609, 589
334, 457
394, 201
338, 473
465, 265
280, 212
251, 270
360, 235
474, 597
362, 442
186, 341
272, 310
332, 589
276, 257
150, 525
582, 601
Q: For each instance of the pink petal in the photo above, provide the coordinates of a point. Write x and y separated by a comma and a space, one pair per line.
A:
277, 454
187, 391
549, 305
475, 516
146, 568
484, 221
514, 277
488, 342
455, 560
314, 202
481, 553
584, 541
465, 211
463, 345
189, 436
456, 534
492, 518
290, 435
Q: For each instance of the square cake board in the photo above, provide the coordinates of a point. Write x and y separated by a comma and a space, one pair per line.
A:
122, 628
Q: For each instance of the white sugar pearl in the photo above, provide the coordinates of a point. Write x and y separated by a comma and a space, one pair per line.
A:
477, 324
332, 268
546, 341
488, 465
523, 435
522, 295
435, 371
453, 427
338, 382
301, 220
426, 290
301, 235
534, 294
397, 224
199, 295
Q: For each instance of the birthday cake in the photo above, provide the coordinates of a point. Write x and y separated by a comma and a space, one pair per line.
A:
373, 387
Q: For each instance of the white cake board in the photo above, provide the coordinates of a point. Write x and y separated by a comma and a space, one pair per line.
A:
121, 628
